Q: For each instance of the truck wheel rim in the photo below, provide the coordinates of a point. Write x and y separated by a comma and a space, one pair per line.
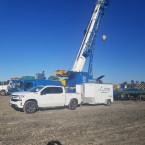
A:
73, 104
2, 93
30, 107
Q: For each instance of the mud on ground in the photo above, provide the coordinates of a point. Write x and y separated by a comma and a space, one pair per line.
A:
123, 123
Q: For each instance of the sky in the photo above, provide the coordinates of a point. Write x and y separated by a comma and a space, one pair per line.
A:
46, 35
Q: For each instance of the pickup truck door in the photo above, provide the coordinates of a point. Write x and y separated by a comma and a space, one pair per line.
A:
52, 96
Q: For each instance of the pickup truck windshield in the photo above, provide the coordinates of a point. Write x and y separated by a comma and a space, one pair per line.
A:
36, 89
16, 85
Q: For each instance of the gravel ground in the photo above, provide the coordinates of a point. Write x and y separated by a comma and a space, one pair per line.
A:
123, 123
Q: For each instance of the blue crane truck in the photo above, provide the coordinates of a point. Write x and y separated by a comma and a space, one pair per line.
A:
26, 84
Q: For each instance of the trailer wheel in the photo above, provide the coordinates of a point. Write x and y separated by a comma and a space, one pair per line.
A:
108, 103
73, 104
30, 107
3, 93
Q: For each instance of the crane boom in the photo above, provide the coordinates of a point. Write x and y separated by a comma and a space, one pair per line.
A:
88, 38
77, 76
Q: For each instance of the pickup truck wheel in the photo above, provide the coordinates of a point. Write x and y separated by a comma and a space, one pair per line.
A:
3, 93
30, 107
73, 104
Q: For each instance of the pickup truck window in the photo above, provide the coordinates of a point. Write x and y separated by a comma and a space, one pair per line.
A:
36, 89
52, 90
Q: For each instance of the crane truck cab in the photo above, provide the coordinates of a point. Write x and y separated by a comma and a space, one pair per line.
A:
44, 97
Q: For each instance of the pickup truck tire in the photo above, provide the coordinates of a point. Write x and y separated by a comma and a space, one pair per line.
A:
30, 107
3, 93
73, 104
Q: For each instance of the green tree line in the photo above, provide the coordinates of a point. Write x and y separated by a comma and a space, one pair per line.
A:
3, 82
132, 84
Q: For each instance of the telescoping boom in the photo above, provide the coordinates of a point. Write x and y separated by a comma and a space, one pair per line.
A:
90, 34
76, 76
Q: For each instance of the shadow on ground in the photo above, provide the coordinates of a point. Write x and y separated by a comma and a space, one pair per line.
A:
54, 143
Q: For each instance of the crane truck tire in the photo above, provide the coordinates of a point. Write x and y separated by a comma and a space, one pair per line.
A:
73, 104
30, 107
2, 92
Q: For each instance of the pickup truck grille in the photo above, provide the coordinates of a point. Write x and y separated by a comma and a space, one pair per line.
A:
15, 100
15, 95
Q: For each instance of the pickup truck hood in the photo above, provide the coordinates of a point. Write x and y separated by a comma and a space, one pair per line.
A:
21, 93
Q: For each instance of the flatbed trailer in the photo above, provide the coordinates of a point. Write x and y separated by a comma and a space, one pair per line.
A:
129, 94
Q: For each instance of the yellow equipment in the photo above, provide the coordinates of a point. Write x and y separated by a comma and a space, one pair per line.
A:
63, 82
15, 79
61, 73
142, 85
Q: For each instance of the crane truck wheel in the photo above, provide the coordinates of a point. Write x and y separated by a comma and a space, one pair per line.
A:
3, 93
30, 107
73, 104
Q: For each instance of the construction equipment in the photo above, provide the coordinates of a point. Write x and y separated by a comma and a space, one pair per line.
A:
142, 85
129, 94
135, 92
77, 76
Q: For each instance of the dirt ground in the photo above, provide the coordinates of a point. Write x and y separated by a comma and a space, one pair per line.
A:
123, 123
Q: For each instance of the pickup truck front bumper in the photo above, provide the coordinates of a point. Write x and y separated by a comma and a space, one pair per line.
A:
17, 104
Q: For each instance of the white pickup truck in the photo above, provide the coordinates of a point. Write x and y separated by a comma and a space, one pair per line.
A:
44, 97
3, 90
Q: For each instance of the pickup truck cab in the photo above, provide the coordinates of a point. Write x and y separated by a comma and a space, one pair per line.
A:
44, 97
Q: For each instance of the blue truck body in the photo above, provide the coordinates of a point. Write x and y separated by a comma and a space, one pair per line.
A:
26, 84
77, 78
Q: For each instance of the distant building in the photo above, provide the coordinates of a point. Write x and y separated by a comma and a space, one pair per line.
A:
40, 76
